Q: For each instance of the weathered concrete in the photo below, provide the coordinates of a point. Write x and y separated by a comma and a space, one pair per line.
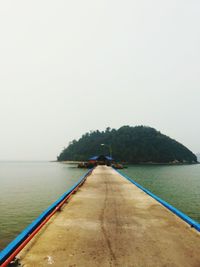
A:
110, 222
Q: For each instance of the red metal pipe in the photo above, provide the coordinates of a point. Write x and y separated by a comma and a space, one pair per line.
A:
24, 243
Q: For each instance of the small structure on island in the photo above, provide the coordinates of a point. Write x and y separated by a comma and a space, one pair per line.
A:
96, 160
100, 160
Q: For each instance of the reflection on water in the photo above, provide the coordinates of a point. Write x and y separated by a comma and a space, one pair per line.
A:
28, 188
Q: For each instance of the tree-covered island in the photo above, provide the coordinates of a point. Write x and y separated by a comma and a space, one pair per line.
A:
138, 144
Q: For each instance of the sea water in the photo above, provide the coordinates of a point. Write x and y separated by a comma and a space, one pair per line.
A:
179, 185
28, 188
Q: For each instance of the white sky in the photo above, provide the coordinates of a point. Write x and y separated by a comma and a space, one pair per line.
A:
67, 67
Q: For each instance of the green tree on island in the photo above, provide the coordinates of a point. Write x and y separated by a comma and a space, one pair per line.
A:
140, 144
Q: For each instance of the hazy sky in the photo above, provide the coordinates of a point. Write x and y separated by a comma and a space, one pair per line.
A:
67, 67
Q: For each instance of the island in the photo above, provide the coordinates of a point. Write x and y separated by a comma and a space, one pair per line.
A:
136, 145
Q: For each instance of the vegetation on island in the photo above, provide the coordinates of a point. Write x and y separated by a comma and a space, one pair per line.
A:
138, 144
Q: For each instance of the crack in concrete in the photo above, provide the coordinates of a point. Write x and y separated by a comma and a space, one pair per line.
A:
103, 228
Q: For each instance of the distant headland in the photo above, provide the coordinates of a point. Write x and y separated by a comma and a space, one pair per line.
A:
139, 144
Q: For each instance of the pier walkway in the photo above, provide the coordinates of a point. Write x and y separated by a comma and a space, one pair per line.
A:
111, 222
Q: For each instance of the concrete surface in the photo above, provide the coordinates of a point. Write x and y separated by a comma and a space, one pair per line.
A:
110, 222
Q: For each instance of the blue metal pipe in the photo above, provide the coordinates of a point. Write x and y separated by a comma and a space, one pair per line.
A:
179, 213
5, 253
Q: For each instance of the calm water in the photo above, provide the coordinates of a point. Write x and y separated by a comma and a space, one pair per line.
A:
27, 188
178, 185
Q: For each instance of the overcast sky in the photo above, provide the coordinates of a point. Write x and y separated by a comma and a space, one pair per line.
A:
67, 67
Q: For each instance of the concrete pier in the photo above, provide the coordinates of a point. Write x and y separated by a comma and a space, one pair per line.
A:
111, 222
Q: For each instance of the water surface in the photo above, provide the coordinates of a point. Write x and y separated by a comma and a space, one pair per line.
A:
28, 188
178, 185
